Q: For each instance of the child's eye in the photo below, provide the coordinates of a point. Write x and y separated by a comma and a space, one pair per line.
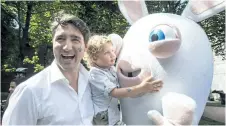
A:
106, 53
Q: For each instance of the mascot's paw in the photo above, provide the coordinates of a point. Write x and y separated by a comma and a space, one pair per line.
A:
157, 118
178, 109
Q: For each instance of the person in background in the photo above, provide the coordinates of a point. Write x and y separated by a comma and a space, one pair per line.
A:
13, 84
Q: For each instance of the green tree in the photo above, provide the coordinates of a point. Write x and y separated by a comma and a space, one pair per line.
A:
26, 35
215, 29
9, 38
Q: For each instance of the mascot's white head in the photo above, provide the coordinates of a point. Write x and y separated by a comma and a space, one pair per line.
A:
174, 49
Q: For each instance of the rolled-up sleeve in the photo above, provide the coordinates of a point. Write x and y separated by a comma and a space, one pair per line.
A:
100, 81
22, 108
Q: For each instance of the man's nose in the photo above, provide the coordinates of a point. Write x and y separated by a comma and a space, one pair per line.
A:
68, 45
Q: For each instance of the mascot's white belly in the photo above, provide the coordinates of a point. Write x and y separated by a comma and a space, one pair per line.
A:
189, 71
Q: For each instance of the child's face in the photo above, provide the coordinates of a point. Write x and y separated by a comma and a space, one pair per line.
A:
107, 57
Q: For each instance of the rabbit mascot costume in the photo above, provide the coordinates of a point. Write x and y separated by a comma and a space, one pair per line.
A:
172, 48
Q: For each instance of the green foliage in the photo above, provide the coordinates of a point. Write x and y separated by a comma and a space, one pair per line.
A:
8, 68
38, 68
9, 38
215, 29
102, 17
34, 60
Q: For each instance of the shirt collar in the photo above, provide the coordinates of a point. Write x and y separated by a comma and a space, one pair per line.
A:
104, 69
55, 73
82, 81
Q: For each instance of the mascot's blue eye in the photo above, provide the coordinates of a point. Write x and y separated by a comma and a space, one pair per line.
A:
156, 35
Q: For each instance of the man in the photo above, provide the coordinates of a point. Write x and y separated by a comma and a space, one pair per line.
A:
59, 94
13, 84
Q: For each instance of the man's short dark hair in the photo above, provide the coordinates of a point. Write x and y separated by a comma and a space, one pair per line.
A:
64, 19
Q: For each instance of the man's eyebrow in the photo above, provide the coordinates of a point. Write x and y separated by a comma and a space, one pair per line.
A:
75, 36
61, 35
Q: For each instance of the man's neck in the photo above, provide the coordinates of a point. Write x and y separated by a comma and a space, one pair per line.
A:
72, 77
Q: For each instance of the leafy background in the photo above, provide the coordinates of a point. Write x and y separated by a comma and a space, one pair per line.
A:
26, 36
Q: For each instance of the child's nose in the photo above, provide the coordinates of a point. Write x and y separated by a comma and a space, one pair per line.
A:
113, 55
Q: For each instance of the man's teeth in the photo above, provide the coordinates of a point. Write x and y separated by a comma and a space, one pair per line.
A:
68, 57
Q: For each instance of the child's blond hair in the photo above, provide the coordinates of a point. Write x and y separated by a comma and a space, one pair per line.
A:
95, 46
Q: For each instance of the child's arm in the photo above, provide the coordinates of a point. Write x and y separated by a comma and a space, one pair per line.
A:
148, 85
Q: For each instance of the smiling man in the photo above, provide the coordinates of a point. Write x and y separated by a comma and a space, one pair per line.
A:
60, 93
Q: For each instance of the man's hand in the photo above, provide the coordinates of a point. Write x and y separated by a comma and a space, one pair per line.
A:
178, 109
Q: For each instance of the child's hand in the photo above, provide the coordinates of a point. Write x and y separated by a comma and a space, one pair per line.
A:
151, 85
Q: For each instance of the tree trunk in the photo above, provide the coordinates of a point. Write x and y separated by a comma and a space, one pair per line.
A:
19, 31
25, 30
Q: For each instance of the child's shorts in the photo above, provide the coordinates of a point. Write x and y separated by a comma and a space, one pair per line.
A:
101, 118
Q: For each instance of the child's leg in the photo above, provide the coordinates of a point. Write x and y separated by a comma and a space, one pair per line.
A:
120, 123
101, 118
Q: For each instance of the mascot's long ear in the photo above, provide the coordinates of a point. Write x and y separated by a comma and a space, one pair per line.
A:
133, 10
198, 10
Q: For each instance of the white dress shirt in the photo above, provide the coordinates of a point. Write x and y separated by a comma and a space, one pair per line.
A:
48, 99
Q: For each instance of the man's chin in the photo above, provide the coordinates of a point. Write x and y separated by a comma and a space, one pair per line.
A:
68, 67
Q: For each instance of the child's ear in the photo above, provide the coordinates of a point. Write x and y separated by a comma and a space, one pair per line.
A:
94, 59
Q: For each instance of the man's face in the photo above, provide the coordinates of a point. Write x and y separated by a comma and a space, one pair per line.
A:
68, 47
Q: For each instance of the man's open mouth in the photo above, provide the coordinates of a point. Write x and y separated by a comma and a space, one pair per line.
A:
67, 56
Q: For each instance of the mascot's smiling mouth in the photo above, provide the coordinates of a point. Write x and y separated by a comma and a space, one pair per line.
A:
128, 75
131, 74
